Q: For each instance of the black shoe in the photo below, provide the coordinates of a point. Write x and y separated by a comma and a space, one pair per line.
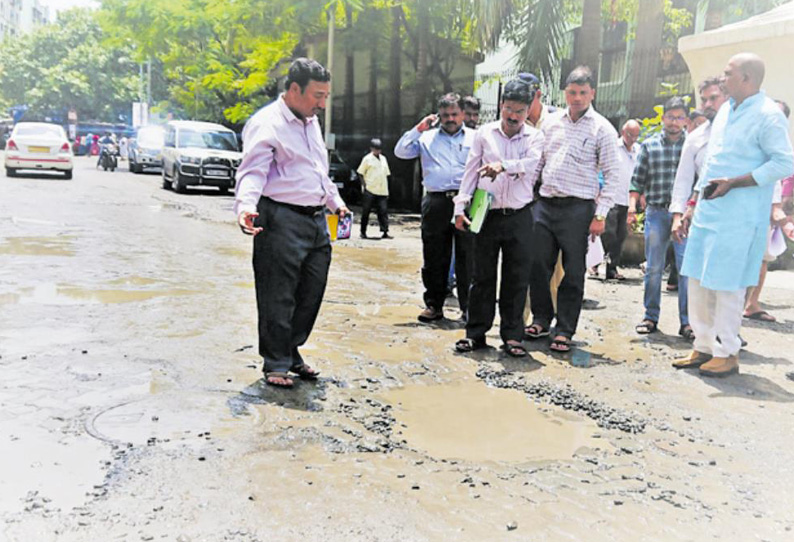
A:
386, 236
364, 235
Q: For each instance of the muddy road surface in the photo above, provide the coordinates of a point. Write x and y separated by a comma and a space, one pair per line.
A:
132, 406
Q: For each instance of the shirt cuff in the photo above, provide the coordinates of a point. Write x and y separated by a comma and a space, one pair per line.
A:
240, 207
513, 167
602, 210
461, 201
334, 203
677, 207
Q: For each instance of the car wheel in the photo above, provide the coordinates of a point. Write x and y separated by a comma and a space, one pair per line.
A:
166, 183
67, 175
11, 172
176, 185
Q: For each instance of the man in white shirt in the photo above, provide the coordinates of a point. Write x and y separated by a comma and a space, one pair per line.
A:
616, 227
374, 171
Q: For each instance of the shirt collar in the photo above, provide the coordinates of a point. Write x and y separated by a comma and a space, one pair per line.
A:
587, 114
521, 131
289, 115
667, 141
749, 101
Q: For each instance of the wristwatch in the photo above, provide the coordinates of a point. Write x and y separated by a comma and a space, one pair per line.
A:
600, 218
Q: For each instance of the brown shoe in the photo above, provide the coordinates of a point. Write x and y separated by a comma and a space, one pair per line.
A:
693, 360
720, 367
430, 315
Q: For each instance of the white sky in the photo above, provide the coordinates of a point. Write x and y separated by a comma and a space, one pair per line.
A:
60, 5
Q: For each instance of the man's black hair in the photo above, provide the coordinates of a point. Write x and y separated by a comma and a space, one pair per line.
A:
303, 70
695, 113
517, 90
712, 82
676, 102
450, 99
784, 106
471, 102
581, 75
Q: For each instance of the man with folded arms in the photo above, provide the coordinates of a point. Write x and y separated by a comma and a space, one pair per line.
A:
749, 151
504, 160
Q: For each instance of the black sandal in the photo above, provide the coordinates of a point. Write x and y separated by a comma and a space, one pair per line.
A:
561, 345
646, 327
305, 372
687, 332
535, 331
285, 377
468, 344
515, 350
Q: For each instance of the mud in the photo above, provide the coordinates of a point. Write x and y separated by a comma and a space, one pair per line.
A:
132, 405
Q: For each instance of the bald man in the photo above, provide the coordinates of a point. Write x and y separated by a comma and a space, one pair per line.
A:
616, 227
749, 151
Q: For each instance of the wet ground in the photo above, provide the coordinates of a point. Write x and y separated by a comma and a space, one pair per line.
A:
131, 405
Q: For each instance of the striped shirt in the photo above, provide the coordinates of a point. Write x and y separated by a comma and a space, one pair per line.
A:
654, 175
573, 155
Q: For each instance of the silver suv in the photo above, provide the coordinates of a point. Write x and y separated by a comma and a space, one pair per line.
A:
199, 154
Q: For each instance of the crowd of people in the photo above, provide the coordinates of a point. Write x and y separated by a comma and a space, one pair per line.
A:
533, 190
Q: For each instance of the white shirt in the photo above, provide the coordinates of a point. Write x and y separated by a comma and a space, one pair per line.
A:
627, 159
690, 166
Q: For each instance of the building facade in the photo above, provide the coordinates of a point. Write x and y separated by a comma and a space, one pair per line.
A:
21, 16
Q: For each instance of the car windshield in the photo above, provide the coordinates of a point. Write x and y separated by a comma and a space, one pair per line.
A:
151, 138
38, 130
222, 141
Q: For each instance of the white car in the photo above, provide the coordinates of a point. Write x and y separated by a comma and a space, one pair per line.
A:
38, 146
199, 154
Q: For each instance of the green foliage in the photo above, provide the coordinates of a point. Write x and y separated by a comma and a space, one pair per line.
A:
65, 65
676, 20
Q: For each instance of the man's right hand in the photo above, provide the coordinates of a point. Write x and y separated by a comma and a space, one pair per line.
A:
462, 223
427, 122
246, 222
681, 223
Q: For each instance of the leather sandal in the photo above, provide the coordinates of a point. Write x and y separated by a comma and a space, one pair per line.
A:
646, 327
535, 331
286, 379
468, 344
305, 372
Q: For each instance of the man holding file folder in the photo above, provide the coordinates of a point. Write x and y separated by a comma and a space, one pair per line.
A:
501, 170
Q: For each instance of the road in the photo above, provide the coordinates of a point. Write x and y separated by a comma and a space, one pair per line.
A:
131, 405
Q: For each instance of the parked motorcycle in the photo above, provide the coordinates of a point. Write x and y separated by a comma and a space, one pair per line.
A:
109, 156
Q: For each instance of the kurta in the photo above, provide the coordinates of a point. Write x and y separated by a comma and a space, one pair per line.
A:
728, 235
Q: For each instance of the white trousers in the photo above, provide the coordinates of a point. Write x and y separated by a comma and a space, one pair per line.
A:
716, 318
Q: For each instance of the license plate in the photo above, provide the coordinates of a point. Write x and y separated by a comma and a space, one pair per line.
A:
216, 173
39, 149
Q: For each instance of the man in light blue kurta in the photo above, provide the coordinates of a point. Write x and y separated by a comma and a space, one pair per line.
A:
748, 152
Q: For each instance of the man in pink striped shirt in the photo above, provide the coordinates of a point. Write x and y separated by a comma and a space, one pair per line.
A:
504, 160
281, 194
578, 144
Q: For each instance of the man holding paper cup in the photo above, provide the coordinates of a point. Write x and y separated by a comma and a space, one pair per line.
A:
501, 170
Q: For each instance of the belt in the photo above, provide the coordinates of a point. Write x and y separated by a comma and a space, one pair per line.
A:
565, 200
312, 210
506, 211
447, 193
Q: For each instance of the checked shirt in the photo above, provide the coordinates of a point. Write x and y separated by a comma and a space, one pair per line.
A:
657, 164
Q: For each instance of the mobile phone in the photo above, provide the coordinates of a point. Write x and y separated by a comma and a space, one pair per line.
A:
436, 123
709, 190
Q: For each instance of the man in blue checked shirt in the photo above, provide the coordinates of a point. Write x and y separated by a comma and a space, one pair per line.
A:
442, 143
654, 177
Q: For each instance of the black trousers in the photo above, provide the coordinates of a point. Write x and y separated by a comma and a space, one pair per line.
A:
560, 224
510, 234
292, 256
370, 200
437, 235
615, 233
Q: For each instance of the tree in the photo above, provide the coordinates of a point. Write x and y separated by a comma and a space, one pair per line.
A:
589, 43
65, 66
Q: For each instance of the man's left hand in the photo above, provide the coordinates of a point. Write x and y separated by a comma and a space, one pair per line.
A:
596, 228
721, 187
491, 170
343, 211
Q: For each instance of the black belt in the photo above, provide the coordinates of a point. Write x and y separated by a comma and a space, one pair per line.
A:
506, 211
447, 193
564, 200
312, 210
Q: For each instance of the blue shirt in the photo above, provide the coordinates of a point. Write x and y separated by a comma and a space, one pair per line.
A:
443, 155
728, 236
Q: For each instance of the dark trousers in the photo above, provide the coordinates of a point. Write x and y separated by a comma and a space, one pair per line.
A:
370, 200
615, 233
291, 259
560, 224
510, 234
437, 235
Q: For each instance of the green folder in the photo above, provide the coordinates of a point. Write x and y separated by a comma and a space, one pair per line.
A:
478, 209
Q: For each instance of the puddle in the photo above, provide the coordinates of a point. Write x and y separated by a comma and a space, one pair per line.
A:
38, 246
56, 294
473, 422
391, 260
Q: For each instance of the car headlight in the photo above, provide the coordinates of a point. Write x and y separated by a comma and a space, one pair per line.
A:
190, 160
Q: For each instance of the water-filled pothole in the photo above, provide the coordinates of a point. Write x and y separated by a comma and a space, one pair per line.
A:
473, 422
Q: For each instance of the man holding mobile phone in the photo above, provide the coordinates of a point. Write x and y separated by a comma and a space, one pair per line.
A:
442, 143
749, 151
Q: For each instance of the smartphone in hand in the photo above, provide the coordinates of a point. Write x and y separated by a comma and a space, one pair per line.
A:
709, 190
